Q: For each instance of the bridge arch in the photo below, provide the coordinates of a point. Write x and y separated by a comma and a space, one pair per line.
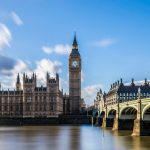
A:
146, 113
129, 112
112, 113
102, 114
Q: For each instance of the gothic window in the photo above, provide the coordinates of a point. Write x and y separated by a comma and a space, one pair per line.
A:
29, 99
36, 98
36, 108
27, 107
17, 107
51, 107
5, 108
30, 108
40, 107
44, 107
44, 98
11, 108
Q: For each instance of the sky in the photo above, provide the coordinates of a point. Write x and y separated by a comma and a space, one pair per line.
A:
113, 38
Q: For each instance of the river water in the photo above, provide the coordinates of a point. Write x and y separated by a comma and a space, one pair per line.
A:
69, 138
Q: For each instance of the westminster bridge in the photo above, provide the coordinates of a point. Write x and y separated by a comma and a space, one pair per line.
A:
128, 115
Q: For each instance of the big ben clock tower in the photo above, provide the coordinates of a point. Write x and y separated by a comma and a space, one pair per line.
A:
75, 78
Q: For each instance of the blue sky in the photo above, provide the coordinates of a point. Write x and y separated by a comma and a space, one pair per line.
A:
113, 38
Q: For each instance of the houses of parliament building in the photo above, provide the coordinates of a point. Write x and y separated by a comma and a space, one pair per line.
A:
28, 100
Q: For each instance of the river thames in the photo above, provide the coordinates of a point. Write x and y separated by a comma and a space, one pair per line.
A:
69, 138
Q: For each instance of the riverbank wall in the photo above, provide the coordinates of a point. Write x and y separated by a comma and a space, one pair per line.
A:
61, 120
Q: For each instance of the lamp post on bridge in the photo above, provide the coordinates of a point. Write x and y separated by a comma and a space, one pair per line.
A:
137, 121
139, 104
116, 119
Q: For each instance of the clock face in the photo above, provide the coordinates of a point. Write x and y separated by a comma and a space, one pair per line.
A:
75, 64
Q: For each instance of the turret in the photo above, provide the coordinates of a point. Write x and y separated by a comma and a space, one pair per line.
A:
18, 83
57, 77
132, 82
52, 83
29, 83
146, 83
121, 83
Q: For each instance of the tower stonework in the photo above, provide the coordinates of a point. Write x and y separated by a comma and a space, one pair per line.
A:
75, 78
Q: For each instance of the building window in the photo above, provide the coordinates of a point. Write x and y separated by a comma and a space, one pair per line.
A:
17, 108
5, 108
36, 98
44, 107
29, 99
40, 107
51, 107
36, 108
11, 108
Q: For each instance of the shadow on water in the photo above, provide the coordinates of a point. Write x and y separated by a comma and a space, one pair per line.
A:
69, 138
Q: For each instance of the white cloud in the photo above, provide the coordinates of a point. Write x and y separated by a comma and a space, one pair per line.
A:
5, 36
45, 65
8, 77
60, 49
104, 43
16, 19
89, 93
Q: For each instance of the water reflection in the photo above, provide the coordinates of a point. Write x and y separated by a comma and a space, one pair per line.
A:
69, 138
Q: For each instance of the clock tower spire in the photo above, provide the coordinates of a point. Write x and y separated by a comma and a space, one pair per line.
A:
75, 44
75, 78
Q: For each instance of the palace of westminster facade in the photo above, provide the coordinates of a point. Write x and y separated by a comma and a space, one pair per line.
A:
28, 100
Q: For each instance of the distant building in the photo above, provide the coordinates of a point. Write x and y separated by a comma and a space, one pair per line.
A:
120, 92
